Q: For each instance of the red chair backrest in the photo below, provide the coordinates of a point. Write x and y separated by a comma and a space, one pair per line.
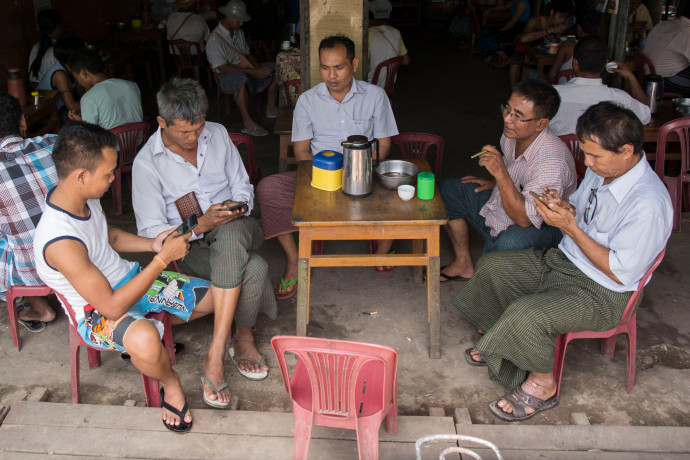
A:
261, 51
643, 66
290, 87
130, 137
573, 144
681, 127
183, 48
567, 74
391, 65
253, 171
630, 307
416, 146
338, 380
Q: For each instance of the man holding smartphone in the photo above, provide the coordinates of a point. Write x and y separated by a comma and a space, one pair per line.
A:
188, 155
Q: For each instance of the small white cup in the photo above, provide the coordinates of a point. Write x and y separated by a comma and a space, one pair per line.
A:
610, 66
406, 192
285, 46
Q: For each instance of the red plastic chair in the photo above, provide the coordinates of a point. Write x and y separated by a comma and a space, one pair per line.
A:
391, 65
627, 326
144, 54
416, 146
679, 183
292, 87
340, 384
151, 390
644, 66
184, 59
130, 137
261, 52
253, 171
567, 74
573, 144
228, 96
19, 291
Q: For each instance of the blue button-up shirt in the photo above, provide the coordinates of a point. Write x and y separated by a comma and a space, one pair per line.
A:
365, 111
633, 218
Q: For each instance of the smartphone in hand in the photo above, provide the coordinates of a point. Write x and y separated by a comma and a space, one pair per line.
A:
186, 226
233, 207
539, 197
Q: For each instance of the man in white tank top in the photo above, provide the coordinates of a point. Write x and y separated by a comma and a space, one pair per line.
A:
75, 252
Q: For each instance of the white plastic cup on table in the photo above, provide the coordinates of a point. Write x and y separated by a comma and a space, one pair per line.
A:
285, 46
406, 192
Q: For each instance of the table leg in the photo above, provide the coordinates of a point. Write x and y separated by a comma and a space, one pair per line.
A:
434, 306
418, 270
303, 281
283, 152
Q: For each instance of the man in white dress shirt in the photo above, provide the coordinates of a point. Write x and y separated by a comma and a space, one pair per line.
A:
587, 89
187, 154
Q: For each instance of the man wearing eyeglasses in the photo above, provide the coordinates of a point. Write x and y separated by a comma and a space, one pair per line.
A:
615, 225
500, 208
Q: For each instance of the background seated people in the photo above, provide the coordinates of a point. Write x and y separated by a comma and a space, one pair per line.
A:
639, 20
492, 37
59, 78
587, 89
108, 102
41, 57
587, 24
187, 154
668, 47
77, 255
238, 71
551, 25
524, 300
385, 41
325, 115
501, 208
27, 172
183, 24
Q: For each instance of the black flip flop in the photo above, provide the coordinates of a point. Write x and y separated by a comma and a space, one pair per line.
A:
451, 278
474, 362
31, 325
183, 427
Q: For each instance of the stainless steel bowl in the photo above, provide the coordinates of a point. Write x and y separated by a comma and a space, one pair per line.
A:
393, 173
683, 111
682, 106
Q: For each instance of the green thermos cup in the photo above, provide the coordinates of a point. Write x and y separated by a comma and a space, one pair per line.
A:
425, 185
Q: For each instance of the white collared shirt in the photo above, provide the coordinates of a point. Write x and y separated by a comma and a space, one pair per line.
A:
365, 110
159, 177
633, 218
217, 51
579, 94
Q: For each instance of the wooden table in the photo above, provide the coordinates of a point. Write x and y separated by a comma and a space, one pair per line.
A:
42, 119
322, 215
539, 58
283, 128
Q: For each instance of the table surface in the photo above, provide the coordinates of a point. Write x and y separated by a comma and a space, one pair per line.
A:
541, 59
666, 114
314, 207
45, 114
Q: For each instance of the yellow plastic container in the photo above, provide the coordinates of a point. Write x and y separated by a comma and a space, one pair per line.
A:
327, 171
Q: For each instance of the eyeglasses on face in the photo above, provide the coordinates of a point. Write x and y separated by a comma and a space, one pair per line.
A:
589, 212
507, 111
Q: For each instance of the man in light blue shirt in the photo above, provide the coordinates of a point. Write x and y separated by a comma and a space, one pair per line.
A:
325, 116
615, 225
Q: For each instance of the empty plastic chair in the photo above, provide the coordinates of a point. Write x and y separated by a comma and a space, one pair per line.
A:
391, 67
416, 146
677, 185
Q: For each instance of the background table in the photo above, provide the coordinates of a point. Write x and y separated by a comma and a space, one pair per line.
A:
42, 119
283, 128
322, 215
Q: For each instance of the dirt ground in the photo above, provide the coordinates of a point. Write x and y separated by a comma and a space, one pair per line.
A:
467, 118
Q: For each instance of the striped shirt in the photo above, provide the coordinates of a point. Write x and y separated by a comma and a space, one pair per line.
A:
219, 53
547, 162
27, 173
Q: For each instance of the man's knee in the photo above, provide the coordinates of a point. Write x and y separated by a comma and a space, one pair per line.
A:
142, 341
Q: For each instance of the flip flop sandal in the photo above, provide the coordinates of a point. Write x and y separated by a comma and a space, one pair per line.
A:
256, 132
288, 293
518, 401
213, 402
249, 375
183, 427
472, 361
31, 325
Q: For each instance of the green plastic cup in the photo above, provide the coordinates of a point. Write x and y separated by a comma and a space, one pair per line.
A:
425, 185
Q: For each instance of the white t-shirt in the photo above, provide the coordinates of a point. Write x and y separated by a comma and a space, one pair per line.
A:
195, 29
385, 43
47, 62
57, 224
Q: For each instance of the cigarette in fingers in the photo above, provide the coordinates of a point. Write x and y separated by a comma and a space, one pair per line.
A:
479, 154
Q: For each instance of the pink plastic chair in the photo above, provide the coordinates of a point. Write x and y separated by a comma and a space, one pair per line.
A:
18, 291
253, 171
416, 146
391, 65
573, 144
679, 183
340, 384
627, 326
151, 390
184, 59
130, 137
567, 74
228, 96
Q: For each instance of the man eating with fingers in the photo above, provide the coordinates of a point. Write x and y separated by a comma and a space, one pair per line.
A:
500, 208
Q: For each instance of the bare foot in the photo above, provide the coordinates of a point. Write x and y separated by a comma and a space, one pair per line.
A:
39, 310
542, 389
174, 396
244, 346
215, 372
476, 357
456, 269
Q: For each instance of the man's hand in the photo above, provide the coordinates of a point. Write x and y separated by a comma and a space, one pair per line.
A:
623, 70
484, 184
74, 115
492, 160
175, 247
556, 200
216, 215
260, 72
559, 213
157, 242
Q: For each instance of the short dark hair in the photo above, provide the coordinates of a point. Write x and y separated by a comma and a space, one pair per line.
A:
334, 40
66, 46
591, 54
589, 21
80, 145
10, 113
611, 126
542, 95
86, 59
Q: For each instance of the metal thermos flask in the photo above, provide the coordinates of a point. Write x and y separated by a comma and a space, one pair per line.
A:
654, 88
358, 178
